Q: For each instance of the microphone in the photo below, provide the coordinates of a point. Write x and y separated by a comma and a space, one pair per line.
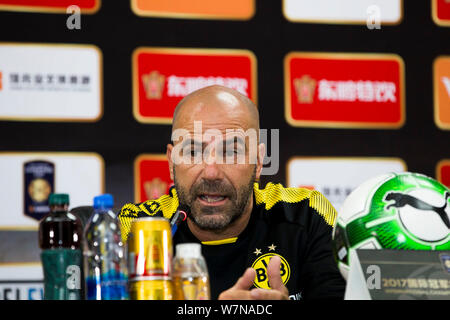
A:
179, 216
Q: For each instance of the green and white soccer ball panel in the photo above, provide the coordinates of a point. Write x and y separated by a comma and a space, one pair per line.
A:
394, 211
357, 204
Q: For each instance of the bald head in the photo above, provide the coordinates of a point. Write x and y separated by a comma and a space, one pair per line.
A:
216, 103
214, 160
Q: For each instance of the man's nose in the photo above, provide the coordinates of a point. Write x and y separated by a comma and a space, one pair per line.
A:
212, 172
211, 169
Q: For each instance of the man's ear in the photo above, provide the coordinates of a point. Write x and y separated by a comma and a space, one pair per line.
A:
259, 165
169, 158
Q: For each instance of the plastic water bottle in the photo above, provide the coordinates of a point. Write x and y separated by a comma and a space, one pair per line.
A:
105, 254
60, 237
190, 274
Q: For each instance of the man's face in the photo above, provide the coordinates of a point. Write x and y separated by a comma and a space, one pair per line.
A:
215, 178
214, 203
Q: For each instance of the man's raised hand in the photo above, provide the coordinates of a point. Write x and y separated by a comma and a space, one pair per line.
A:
241, 289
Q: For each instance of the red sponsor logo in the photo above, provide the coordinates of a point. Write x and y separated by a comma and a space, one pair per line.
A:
344, 90
441, 12
86, 6
152, 177
443, 172
163, 76
441, 84
200, 9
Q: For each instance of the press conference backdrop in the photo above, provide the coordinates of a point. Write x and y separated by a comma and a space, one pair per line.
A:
346, 89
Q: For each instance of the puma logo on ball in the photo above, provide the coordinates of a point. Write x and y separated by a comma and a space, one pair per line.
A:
401, 200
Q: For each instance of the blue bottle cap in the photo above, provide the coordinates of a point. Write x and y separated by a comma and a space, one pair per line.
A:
104, 201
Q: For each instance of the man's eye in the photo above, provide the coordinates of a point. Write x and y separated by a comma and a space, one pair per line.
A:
230, 153
233, 152
195, 153
191, 152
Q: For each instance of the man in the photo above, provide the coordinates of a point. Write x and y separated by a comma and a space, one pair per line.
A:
273, 238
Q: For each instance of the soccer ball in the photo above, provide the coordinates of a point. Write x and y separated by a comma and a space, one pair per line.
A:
405, 211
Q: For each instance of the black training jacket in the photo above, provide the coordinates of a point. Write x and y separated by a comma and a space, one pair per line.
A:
294, 223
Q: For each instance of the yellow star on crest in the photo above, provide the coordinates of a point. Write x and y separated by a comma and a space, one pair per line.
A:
257, 251
272, 247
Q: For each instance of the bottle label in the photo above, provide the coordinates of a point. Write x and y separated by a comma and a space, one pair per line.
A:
62, 274
73, 274
107, 286
194, 287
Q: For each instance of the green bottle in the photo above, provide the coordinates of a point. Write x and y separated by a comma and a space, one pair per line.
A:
60, 236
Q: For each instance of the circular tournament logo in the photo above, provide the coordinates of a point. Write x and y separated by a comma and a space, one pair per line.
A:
39, 190
260, 266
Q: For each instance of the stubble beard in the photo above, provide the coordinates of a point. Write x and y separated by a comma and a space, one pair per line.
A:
211, 218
